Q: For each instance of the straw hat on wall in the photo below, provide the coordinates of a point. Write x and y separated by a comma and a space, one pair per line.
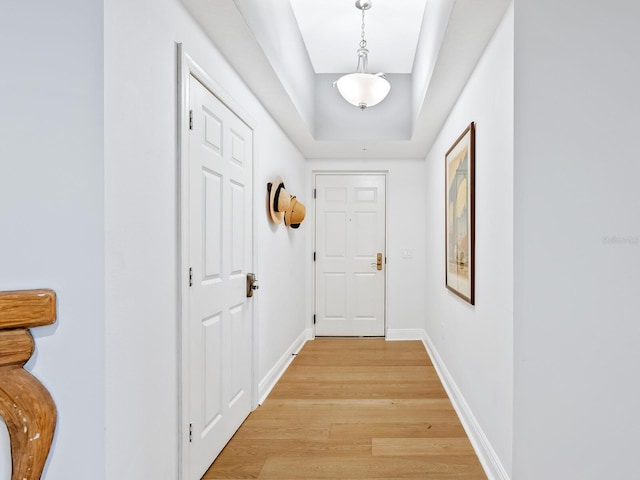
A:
279, 200
294, 215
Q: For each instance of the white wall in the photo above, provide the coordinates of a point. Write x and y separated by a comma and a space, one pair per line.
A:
52, 210
275, 27
141, 231
282, 300
476, 342
434, 26
577, 240
405, 231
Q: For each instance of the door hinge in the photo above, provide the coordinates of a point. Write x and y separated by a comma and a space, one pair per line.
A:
190, 276
190, 119
314, 256
314, 318
190, 432
314, 193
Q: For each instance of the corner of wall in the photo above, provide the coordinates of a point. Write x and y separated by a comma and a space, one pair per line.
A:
271, 378
486, 454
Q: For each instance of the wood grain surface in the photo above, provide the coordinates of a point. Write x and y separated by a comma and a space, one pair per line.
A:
25, 404
353, 409
27, 308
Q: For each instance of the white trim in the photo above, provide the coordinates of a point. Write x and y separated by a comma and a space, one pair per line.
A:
486, 454
394, 334
187, 67
272, 377
183, 254
255, 313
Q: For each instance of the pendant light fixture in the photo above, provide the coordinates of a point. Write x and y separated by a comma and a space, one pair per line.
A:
361, 88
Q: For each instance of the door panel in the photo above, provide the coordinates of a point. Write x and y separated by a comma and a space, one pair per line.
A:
213, 225
350, 232
220, 232
212, 369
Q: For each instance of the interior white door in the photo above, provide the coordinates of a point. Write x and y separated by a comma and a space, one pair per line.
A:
350, 235
220, 256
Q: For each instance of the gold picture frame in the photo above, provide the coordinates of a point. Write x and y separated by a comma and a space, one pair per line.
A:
460, 216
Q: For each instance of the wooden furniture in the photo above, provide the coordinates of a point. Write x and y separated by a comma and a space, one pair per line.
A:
26, 406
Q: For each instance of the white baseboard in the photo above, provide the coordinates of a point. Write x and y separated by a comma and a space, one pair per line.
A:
486, 454
271, 378
405, 334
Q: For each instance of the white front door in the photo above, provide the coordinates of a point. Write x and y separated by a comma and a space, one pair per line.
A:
350, 238
220, 256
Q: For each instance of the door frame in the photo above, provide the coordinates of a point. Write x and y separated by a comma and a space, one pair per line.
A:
315, 173
188, 67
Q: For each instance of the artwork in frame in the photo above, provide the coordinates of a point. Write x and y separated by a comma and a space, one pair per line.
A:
460, 215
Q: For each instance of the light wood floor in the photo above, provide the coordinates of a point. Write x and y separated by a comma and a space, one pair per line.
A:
353, 409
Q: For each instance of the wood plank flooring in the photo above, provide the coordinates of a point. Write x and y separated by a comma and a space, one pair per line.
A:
352, 409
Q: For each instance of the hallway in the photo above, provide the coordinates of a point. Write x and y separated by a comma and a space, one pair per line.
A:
353, 408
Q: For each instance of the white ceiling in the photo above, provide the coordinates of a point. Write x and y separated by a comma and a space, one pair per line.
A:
283, 50
331, 32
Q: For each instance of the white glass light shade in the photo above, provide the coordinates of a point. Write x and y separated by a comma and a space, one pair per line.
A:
363, 89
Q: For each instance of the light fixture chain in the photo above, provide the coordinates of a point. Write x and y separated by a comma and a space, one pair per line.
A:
363, 42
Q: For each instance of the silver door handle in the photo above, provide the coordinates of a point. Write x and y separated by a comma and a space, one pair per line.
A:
252, 284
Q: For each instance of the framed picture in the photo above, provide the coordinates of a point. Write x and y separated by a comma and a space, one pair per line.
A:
460, 215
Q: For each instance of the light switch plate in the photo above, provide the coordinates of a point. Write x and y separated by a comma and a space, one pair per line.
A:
406, 253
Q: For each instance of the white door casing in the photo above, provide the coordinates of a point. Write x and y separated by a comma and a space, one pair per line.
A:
350, 233
217, 231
